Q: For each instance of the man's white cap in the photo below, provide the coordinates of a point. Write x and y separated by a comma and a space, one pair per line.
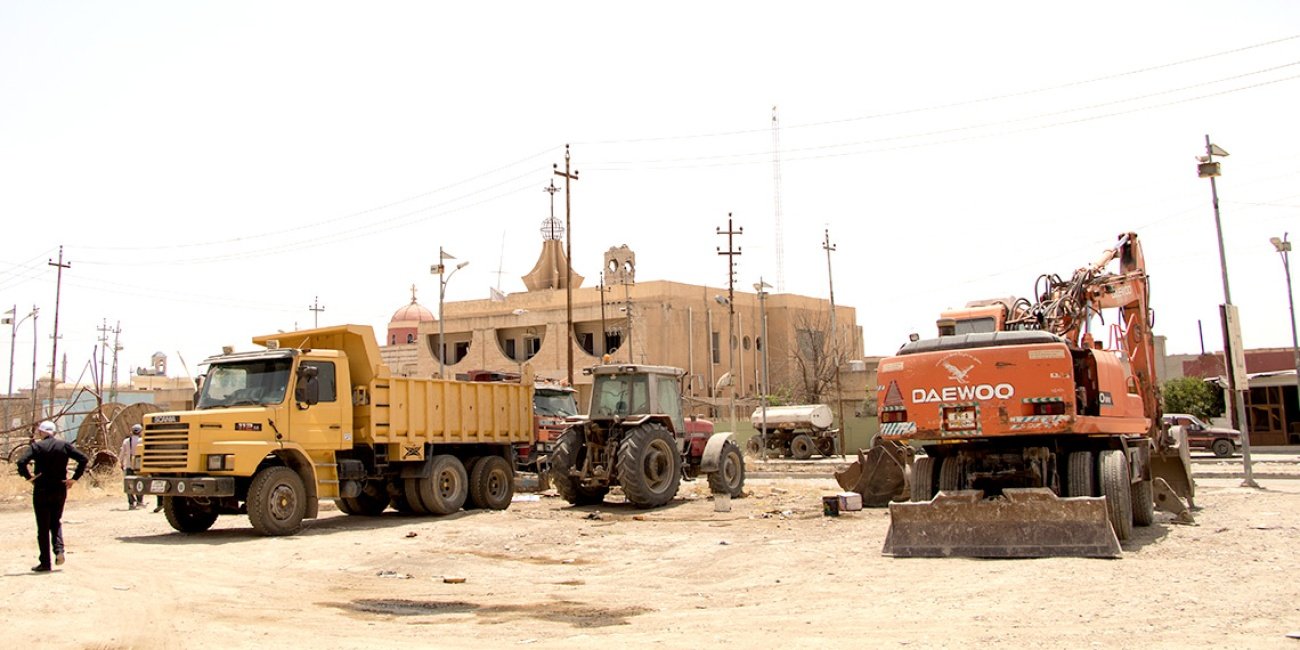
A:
48, 427
135, 428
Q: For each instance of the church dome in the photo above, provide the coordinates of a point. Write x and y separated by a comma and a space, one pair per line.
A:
412, 312
404, 326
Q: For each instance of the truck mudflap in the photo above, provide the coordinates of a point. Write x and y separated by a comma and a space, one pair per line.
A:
1024, 522
180, 486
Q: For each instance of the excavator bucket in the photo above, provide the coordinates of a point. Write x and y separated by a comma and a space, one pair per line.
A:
880, 474
1024, 522
1173, 463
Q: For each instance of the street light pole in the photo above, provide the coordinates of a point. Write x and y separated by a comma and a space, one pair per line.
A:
762, 316
1284, 249
443, 278
1210, 169
35, 393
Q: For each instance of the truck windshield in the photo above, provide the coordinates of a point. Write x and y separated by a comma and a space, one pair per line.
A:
246, 383
621, 395
554, 402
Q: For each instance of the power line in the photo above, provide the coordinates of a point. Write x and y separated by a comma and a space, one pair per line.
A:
959, 104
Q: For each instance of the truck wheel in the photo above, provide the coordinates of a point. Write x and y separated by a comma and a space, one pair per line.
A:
491, 483
1144, 504
186, 516
372, 501
826, 446
411, 496
397, 496
446, 489
649, 466
470, 463
1078, 475
801, 448
277, 501
564, 457
1222, 448
949, 474
1115, 487
923, 479
730, 477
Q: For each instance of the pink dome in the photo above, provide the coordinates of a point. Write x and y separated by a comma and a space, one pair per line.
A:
412, 312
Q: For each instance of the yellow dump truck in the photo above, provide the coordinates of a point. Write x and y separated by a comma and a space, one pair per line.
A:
316, 415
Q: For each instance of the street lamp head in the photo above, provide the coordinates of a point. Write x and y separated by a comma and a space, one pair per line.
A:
761, 285
1281, 244
721, 300
462, 265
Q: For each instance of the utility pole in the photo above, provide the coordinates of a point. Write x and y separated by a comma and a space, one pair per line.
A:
568, 258
731, 253
103, 356
58, 291
316, 308
117, 347
833, 348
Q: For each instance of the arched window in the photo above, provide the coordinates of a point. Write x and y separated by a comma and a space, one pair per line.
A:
410, 338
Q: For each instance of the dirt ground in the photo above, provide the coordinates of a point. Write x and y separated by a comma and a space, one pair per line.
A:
771, 572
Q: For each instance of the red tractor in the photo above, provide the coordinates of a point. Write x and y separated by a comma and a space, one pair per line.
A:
635, 437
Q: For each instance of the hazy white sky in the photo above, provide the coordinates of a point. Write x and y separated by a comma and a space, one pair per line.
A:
212, 168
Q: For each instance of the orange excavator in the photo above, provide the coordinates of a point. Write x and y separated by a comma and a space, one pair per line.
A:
1036, 438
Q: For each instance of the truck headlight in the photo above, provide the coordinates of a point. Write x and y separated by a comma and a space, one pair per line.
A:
220, 462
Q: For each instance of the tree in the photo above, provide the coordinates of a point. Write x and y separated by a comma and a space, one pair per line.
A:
1193, 395
813, 360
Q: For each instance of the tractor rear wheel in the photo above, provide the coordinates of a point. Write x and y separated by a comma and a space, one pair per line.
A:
802, 447
730, 477
565, 457
649, 466
1115, 487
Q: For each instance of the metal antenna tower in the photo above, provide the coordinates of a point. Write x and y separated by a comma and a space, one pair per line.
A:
776, 200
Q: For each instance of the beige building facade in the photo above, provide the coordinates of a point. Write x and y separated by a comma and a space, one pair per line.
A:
656, 322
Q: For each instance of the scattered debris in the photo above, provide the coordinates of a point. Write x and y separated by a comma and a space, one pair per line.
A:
450, 580
122, 587
525, 498
594, 516
394, 574
638, 517
724, 543
412, 534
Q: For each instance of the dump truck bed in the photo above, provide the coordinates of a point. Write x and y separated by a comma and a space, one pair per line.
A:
409, 410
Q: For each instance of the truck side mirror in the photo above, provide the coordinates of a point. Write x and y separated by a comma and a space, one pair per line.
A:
307, 392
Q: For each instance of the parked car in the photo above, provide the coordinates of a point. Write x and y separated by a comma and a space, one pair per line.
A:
1223, 442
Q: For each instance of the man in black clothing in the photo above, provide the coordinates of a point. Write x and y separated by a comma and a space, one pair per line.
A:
50, 485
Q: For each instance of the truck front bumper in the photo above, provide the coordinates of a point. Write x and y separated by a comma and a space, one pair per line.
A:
181, 486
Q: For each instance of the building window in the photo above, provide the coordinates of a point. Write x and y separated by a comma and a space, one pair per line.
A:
510, 350
410, 338
714, 344
392, 339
